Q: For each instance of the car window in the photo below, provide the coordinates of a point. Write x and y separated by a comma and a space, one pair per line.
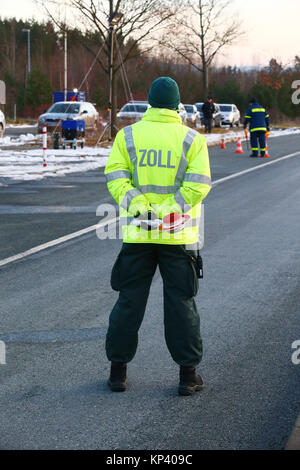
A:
134, 108
189, 108
199, 106
69, 108
225, 108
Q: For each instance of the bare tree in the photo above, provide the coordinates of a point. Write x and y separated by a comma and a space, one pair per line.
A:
272, 76
135, 33
201, 31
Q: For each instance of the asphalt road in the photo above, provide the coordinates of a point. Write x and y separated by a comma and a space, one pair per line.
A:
16, 131
55, 306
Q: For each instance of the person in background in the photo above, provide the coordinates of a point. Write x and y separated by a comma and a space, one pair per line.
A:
259, 122
208, 110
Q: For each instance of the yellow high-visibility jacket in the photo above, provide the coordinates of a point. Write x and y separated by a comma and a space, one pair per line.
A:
162, 165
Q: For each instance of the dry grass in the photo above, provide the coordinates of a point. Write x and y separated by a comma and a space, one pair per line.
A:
286, 124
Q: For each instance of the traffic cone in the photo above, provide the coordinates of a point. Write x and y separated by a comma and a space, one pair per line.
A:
223, 145
267, 152
239, 148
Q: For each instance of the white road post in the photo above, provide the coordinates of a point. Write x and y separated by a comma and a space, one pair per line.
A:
44, 146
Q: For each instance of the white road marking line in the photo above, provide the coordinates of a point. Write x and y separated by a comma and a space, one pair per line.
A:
116, 219
38, 248
258, 167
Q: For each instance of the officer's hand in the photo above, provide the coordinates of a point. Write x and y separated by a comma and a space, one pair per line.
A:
148, 221
146, 215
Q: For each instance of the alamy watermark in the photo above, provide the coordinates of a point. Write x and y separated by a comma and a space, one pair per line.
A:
2, 353
296, 353
114, 225
296, 94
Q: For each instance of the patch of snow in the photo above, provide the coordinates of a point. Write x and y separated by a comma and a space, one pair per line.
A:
5, 140
19, 126
215, 139
28, 165
283, 132
20, 140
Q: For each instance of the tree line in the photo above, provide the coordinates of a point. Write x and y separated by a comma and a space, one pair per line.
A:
136, 67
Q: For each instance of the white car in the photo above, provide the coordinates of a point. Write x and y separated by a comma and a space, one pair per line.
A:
2, 124
230, 115
183, 113
216, 118
72, 110
193, 114
133, 111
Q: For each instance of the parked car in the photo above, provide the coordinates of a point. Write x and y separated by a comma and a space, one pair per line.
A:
230, 115
2, 124
200, 113
217, 116
69, 110
133, 111
193, 114
183, 113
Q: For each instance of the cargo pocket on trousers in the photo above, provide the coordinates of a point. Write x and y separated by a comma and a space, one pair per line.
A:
192, 279
115, 278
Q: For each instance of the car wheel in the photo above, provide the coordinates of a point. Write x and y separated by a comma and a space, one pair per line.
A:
1, 131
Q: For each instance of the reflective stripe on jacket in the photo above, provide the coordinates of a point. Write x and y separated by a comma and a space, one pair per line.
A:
161, 164
258, 118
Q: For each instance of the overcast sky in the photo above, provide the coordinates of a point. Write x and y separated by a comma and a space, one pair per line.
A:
272, 29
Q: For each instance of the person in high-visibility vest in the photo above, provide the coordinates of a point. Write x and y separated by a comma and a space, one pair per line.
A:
158, 171
259, 122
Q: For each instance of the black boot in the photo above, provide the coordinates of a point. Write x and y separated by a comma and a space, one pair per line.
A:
189, 381
117, 379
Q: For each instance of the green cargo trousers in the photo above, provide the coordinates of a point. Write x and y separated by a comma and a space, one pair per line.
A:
132, 276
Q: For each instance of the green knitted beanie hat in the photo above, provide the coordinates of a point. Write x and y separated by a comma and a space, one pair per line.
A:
164, 93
